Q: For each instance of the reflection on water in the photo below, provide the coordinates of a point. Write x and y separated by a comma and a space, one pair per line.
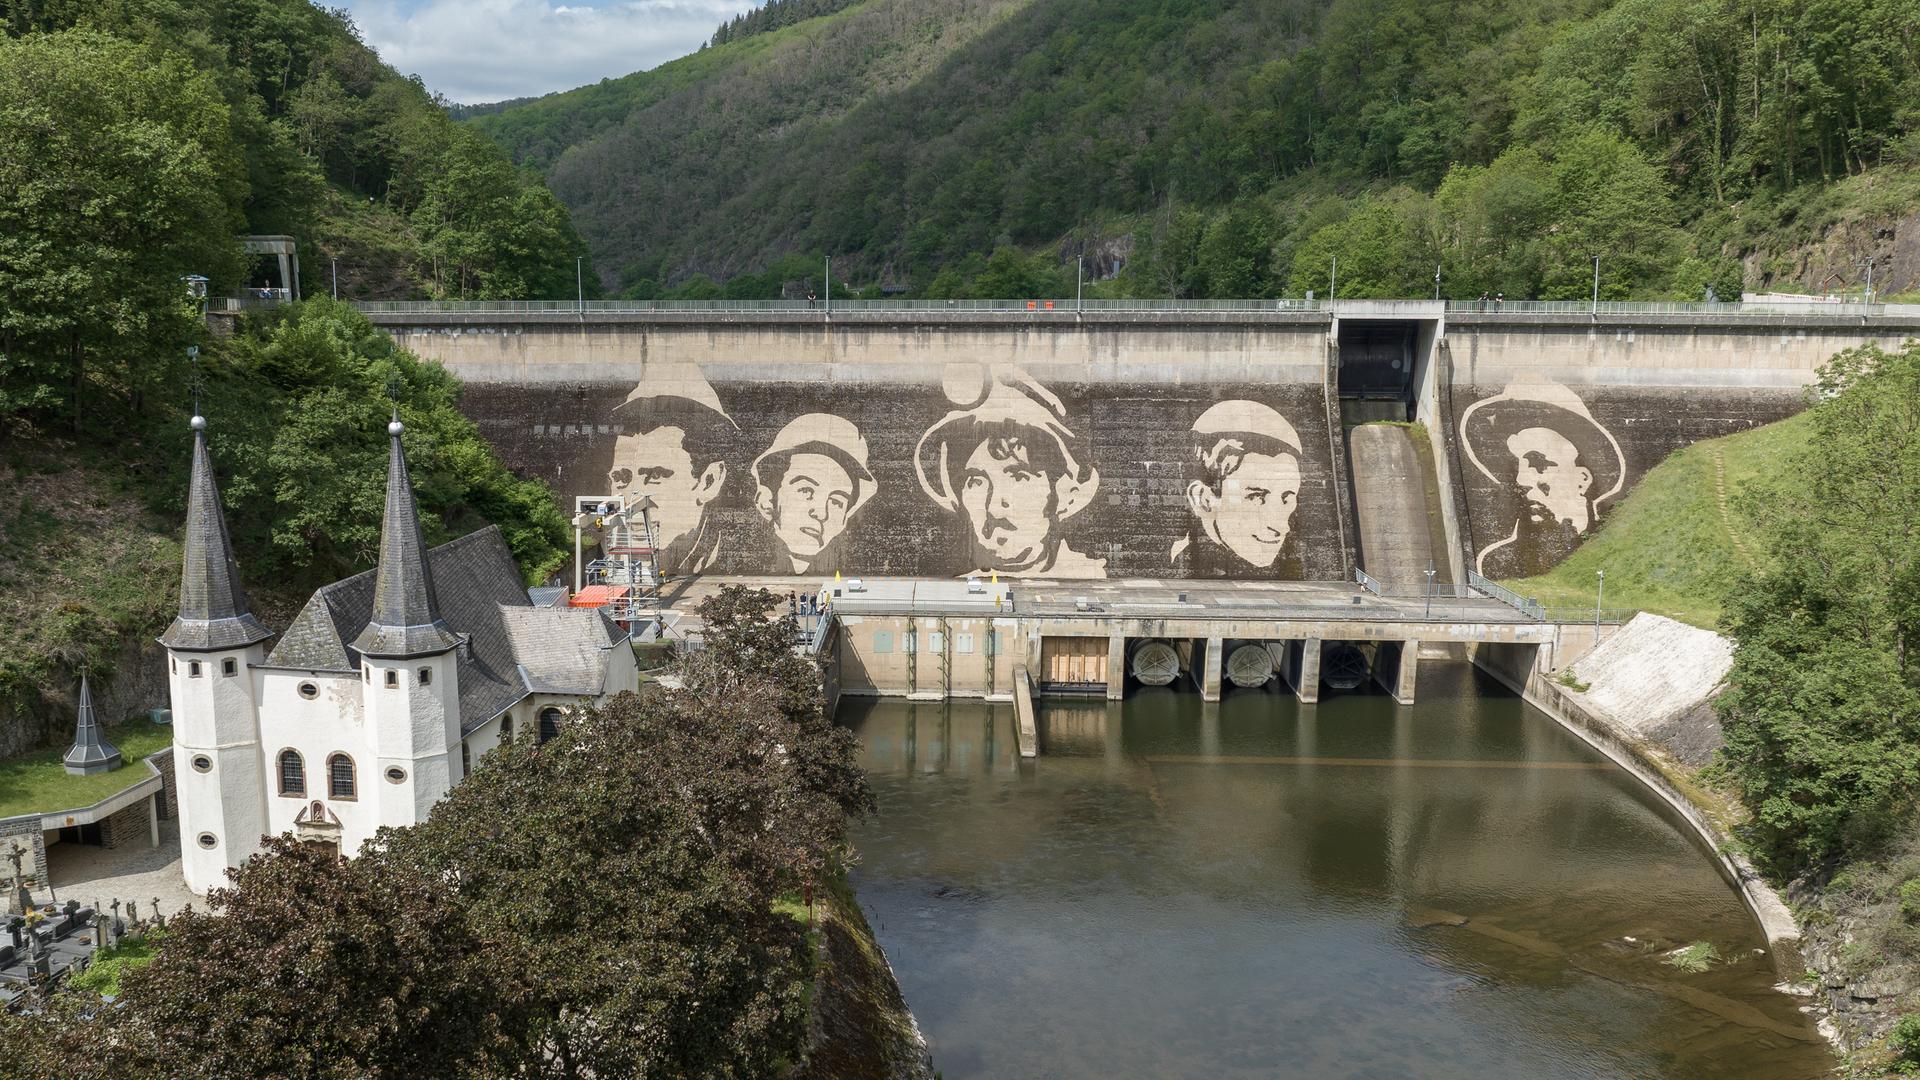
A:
1262, 888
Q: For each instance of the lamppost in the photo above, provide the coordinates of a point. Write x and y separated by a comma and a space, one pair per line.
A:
1436, 281
579, 284
336, 279
829, 284
1079, 277
1430, 572
1333, 279
1596, 284
1599, 593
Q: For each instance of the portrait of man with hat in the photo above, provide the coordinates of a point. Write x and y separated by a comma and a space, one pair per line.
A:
1537, 440
1005, 463
811, 482
1243, 487
673, 444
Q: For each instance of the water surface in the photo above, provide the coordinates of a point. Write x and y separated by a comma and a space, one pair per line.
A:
1260, 888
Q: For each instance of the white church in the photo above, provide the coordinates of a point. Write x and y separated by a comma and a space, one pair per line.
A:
381, 696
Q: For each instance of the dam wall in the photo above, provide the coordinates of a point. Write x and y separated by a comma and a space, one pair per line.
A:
1160, 442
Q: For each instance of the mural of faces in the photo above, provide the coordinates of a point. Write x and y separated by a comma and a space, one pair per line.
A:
1538, 442
809, 483
1012, 473
992, 473
1244, 490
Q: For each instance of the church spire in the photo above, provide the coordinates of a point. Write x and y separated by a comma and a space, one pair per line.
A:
91, 752
214, 613
406, 616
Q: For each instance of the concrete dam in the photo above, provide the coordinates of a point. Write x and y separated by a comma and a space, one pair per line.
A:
1275, 441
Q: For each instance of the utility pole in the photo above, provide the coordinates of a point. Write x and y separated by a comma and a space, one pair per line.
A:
1596, 284
579, 284
1597, 596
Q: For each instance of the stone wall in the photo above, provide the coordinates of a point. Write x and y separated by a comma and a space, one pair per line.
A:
128, 826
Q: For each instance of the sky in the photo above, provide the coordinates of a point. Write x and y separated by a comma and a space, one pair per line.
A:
489, 50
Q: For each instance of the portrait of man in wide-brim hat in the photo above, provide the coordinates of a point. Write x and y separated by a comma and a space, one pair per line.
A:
673, 445
1012, 471
1537, 440
809, 484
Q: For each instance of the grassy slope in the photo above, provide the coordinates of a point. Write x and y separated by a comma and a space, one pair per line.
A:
38, 783
1670, 547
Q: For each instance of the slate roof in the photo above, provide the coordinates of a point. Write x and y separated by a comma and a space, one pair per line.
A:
405, 619
510, 649
214, 612
90, 752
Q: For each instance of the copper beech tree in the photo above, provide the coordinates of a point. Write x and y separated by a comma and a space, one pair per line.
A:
602, 904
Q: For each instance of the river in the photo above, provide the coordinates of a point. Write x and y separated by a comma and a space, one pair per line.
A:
1259, 888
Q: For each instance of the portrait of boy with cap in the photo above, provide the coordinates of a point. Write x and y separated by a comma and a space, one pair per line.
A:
1243, 488
1012, 473
810, 483
673, 444
1538, 441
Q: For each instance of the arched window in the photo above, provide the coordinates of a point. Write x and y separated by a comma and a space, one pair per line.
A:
549, 724
293, 773
340, 777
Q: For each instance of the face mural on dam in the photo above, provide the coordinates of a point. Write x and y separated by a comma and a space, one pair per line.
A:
809, 485
1011, 472
1558, 465
1244, 487
1042, 471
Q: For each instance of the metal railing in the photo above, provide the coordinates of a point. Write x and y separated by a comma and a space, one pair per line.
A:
1415, 590
1576, 614
1041, 308
1527, 606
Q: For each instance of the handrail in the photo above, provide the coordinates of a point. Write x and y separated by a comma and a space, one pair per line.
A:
1527, 606
1366, 581
1062, 308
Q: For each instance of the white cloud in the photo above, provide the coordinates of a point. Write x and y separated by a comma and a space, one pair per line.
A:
488, 50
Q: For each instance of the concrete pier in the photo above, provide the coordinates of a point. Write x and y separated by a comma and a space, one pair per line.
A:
1210, 669
1306, 682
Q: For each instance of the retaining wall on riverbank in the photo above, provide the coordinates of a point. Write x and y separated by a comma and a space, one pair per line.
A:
1650, 643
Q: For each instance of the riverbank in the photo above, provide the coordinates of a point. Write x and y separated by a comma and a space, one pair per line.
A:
861, 1027
1644, 697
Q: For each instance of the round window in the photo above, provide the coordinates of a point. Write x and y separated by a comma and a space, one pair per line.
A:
202, 763
309, 691
208, 841
396, 775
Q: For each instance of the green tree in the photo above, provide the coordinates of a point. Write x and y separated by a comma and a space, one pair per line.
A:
122, 179
1382, 247
1822, 713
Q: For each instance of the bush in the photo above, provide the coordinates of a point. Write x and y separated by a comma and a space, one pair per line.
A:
1905, 1043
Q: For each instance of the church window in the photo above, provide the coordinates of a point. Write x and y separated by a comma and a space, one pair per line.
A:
193, 669
549, 724
393, 678
228, 667
396, 775
209, 841
426, 676
202, 763
506, 726
340, 777
293, 773
309, 691
466, 761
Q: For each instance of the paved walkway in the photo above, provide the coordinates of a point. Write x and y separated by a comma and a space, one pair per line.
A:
136, 872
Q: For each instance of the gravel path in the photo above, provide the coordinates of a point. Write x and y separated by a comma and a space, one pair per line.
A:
134, 872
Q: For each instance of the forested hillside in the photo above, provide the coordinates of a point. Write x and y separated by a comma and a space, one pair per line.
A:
306, 132
1235, 147
139, 139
